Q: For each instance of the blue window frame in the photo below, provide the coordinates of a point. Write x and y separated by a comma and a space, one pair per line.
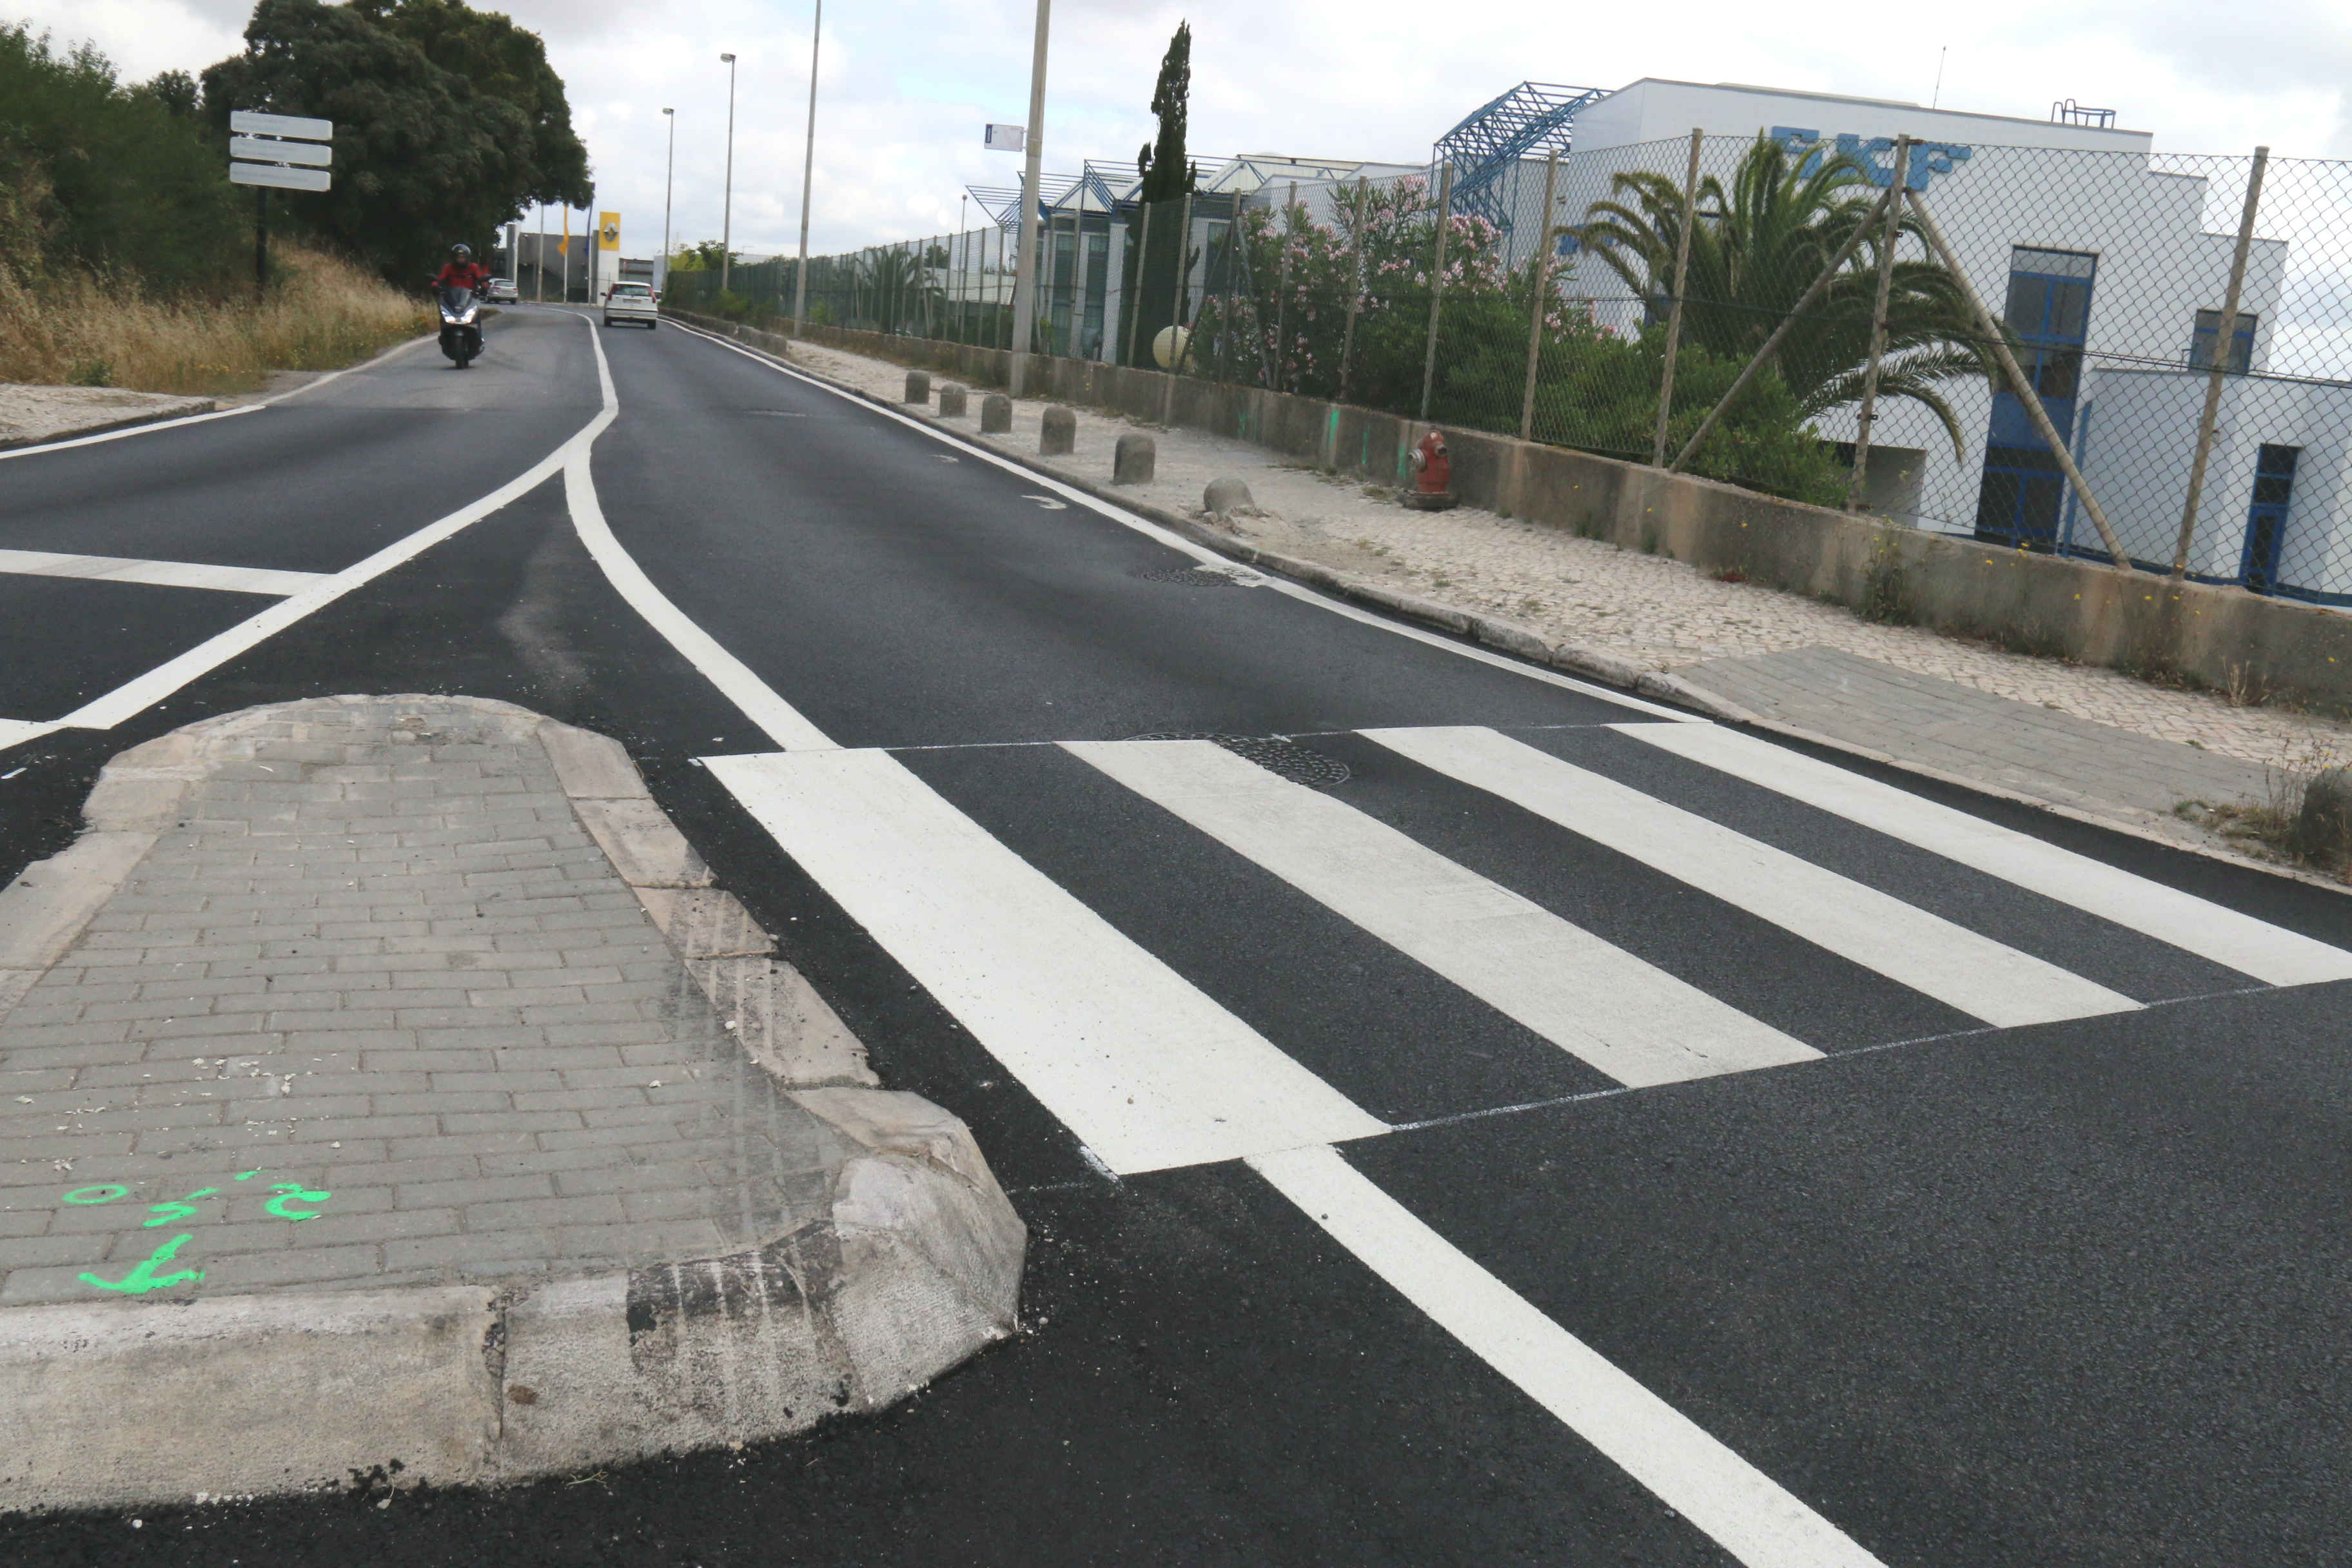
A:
2208, 329
2258, 567
2023, 494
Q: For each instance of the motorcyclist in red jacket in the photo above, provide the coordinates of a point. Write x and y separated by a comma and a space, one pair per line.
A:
463, 272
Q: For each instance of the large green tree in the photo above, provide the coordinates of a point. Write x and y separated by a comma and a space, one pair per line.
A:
1167, 173
505, 62
423, 156
1756, 249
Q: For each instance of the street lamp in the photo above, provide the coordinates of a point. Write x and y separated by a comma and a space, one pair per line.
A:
669, 181
727, 211
808, 169
1024, 303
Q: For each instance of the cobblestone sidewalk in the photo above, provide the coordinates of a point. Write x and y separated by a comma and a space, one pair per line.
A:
2034, 726
378, 1008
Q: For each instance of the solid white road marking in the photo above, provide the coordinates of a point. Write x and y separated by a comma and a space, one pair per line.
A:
15, 731
1629, 1018
1950, 963
158, 573
2240, 941
1747, 1513
1202, 553
1147, 1069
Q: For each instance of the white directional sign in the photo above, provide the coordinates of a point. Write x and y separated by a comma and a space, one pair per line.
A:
1006, 138
267, 152
245, 122
280, 151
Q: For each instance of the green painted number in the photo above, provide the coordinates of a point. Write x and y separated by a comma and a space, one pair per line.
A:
167, 1213
292, 1193
143, 1277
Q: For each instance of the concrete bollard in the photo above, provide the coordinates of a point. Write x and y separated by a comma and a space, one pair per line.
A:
1059, 434
995, 414
1226, 496
952, 401
1132, 464
918, 387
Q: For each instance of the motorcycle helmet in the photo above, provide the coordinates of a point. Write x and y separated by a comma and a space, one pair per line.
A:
462, 252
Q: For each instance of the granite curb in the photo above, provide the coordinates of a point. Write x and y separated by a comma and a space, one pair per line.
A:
174, 408
912, 1265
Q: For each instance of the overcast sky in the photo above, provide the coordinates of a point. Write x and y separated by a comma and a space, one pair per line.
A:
906, 85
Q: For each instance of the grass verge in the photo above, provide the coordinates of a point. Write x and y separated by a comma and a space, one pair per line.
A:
322, 313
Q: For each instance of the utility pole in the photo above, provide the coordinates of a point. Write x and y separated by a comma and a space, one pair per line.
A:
727, 204
1024, 265
808, 170
669, 184
539, 272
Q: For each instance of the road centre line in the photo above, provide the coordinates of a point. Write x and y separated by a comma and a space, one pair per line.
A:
157, 574
2184, 920
1981, 977
1601, 1005
1744, 1510
1201, 553
136, 696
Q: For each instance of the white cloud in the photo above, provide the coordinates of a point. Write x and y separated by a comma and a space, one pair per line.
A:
906, 85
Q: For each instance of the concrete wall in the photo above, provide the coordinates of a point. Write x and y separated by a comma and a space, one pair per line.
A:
2221, 637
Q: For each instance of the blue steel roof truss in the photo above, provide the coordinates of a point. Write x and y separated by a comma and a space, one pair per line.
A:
1531, 119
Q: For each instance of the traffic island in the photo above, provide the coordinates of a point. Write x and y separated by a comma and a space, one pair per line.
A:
388, 1089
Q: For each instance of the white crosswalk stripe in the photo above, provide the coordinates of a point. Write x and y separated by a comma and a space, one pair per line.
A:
1629, 1018
2240, 941
1974, 973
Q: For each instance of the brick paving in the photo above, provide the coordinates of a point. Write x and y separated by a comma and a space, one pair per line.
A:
379, 1010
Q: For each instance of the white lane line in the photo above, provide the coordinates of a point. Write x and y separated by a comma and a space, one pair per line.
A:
2240, 941
157, 574
165, 679
1202, 553
1148, 1071
1746, 1512
1601, 1005
1980, 976
15, 732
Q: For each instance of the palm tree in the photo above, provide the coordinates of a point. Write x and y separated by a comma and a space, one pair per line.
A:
1753, 255
897, 286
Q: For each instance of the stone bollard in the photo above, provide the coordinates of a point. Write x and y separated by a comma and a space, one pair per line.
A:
1224, 497
1131, 463
951, 400
995, 414
1059, 434
918, 387
2322, 825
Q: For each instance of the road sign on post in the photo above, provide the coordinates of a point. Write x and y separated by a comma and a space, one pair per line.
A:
277, 151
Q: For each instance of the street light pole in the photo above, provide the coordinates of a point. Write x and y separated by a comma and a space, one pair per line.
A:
1024, 267
669, 182
808, 170
727, 209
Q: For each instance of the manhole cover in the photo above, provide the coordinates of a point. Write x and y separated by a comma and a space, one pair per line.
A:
1193, 576
1283, 758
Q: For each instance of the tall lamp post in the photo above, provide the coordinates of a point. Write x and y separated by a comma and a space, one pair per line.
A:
1024, 267
669, 182
808, 169
727, 210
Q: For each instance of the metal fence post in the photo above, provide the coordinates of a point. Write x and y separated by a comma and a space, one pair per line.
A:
1436, 283
1674, 306
2020, 386
2224, 337
1355, 283
1282, 286
1869, 411
1763, 357
1135, 304
1540, 270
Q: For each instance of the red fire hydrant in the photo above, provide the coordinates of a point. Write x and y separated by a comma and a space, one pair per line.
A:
1433, 474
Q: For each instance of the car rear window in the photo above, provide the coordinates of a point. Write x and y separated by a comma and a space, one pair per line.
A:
640, 290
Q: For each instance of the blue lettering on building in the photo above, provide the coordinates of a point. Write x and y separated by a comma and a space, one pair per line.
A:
1875, 156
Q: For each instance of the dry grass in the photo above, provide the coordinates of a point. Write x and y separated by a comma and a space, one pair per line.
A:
77, 331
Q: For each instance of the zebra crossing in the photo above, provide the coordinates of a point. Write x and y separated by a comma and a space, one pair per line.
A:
1135, 1050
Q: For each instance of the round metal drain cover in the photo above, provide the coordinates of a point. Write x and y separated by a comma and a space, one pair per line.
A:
1283, 758
1189, 577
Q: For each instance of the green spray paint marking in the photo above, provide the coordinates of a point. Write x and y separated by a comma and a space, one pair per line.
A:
292, 1193
144, 1278
106, 1193
167, 1213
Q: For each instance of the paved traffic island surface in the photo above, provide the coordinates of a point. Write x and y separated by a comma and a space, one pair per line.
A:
342, 998
30, 415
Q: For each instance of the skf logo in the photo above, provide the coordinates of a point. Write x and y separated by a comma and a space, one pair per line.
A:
1876, 157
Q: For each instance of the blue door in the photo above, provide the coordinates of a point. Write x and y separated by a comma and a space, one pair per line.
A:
2266, 518
2023, 491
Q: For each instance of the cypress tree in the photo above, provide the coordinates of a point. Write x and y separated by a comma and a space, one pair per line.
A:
1167, 173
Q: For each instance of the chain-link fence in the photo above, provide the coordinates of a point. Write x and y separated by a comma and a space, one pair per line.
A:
2115, 354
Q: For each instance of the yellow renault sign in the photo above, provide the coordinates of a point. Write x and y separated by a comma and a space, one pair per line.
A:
608, 231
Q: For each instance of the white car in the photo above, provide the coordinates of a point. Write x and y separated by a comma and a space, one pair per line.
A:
631, 303
501, 292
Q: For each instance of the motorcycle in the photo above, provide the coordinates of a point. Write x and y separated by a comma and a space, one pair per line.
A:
461, 331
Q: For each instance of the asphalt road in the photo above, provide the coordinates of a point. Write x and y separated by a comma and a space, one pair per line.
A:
1968, 1182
